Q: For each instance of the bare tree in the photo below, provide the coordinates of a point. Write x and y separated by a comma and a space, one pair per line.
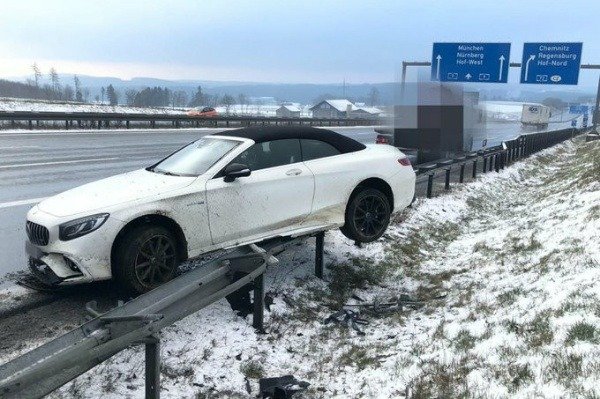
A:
243, 101
55, 80
227, 101
37, 74
374, 96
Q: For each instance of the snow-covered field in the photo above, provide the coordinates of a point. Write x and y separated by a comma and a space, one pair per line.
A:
260, 110
12, 105
502, 110
508, 272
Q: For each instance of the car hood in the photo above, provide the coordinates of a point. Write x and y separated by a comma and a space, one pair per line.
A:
115, 190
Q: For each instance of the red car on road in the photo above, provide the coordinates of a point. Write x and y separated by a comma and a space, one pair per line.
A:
204, 112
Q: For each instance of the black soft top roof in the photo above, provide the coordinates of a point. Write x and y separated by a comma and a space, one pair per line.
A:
267, 133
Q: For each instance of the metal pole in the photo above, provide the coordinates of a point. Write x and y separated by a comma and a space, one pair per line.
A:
320, 238
596, 115
259, 306
447, 185
474, 168
429, 185
152, 367
461, 178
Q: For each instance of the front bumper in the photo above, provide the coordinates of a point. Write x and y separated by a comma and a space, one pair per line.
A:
83, 259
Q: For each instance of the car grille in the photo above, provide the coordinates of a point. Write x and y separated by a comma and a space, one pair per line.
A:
37, 233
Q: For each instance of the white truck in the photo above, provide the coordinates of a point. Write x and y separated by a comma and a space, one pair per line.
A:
535, 115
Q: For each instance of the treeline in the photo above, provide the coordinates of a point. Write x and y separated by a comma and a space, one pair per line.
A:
50, 87
54, 91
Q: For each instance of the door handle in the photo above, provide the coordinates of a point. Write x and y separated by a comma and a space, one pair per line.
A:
293, 172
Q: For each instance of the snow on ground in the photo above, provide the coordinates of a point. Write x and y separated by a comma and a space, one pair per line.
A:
12, 105
507, 267
260, 110
502, 110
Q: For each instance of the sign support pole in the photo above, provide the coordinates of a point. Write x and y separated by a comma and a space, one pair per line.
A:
596, 116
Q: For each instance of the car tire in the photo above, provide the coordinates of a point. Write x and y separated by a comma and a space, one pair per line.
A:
367, 215
146, 257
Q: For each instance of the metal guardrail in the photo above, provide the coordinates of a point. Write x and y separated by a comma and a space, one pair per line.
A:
136, 322
99, 120
494, 158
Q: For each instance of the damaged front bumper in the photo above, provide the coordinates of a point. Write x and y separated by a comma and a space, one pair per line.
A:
52, 269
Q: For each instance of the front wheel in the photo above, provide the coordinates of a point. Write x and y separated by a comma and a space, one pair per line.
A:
146, 258
367, 215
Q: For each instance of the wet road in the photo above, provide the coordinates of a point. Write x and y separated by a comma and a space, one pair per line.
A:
35, 165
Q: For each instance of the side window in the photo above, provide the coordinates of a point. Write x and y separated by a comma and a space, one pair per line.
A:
313, 149
270, 154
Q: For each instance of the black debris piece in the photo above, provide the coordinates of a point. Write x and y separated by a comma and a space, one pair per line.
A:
269, 300
281, 387
350, 313
240, 300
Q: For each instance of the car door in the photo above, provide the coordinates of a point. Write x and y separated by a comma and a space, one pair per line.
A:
334, 175
277, 196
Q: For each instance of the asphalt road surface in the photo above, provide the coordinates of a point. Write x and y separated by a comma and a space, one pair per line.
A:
35, 165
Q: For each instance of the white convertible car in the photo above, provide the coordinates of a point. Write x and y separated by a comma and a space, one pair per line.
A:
223, 190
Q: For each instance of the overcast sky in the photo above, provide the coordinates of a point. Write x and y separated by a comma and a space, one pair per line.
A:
274, 41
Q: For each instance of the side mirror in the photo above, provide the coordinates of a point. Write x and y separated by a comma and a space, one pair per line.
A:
235, 170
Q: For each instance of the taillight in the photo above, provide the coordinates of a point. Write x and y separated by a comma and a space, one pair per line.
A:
404, 161
382, 139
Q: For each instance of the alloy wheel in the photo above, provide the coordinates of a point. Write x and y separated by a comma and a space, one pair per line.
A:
370, 215
155, 261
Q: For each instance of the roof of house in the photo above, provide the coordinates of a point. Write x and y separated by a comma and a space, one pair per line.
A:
291, 108
340, 105
369, 110
268, 133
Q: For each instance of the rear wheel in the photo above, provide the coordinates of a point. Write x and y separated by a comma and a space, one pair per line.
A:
367, 215
146, 258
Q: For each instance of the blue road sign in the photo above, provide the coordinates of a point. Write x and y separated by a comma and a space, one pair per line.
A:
578, 109
551, 63
470, 62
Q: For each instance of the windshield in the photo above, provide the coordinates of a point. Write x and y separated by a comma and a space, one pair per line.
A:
195, 158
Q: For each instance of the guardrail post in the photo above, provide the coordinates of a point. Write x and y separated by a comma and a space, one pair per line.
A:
461, 177
30, 124
492, 162
474, 168
152, 367
484, 169
127, 124
430, 185
497, 162
447, 183
320, 240
259, 306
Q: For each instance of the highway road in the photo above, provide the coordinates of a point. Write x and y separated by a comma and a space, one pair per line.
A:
35, 165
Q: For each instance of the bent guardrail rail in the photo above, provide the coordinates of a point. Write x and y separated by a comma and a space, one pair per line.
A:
136, 322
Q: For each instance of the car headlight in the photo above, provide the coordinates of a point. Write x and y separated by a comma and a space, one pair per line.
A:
80, 227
